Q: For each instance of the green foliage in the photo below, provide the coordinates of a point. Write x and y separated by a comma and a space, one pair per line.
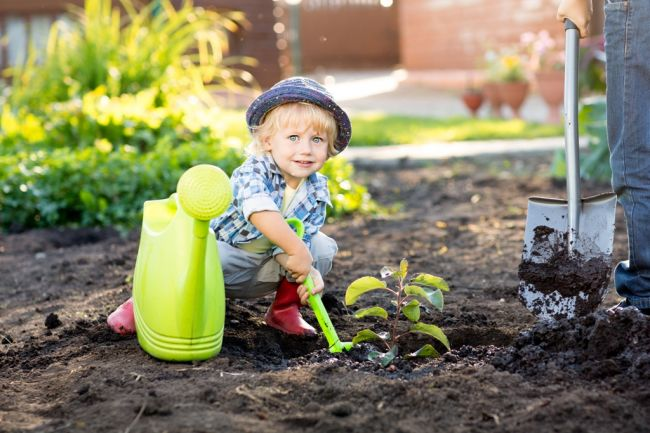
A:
101, 185
347, 196
173, 51
90, 187
594, 162
407, 297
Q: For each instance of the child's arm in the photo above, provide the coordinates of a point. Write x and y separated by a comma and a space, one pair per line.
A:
298, 258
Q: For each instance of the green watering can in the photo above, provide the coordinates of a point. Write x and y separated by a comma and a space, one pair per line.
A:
178, 290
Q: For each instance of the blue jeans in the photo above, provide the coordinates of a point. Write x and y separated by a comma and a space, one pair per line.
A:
627, 45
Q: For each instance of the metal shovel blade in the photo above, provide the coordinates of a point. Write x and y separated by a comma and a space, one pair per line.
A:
560, 275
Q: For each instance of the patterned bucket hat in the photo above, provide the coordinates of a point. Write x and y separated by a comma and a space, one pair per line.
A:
300, 89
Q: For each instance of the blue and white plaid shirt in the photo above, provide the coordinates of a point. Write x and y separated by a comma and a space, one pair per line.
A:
258, 186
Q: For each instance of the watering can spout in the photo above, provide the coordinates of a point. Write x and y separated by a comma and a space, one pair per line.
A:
178, 291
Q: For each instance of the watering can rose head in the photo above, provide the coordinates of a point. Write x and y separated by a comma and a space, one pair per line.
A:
204, 191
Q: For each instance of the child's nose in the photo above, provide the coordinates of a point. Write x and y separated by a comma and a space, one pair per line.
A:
304, 146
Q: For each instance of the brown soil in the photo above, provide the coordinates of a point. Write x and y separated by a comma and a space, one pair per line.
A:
62, 370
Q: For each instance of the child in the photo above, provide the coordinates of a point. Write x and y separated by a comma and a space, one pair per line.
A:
296, 126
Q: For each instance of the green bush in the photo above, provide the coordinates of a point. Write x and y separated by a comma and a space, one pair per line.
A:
347, 196
98, 187
92, 187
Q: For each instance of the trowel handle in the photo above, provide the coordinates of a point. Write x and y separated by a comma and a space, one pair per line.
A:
315, 301
572, 37
320, 312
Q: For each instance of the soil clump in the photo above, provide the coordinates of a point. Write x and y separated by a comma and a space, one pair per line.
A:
562, 282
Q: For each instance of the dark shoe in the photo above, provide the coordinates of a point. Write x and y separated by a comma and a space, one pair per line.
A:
624, 305
284, 314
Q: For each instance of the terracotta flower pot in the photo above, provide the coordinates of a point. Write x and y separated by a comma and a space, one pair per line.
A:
473, 100
551, 89
513, 94
491, 93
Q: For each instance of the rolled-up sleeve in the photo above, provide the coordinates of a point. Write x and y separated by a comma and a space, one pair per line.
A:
252, 192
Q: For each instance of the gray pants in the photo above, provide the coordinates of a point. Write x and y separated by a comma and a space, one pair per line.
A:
251, 275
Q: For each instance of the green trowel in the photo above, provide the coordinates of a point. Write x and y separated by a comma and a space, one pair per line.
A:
178, 289
316, 303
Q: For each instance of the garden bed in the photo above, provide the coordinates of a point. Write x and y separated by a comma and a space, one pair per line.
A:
61, 369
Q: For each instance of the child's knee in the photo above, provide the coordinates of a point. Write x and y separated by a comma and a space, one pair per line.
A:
323, 249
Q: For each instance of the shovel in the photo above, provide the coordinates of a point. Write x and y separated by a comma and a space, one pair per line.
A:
567, 254
316, 303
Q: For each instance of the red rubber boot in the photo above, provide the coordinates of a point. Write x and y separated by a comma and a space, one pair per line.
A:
122, 320
284, 314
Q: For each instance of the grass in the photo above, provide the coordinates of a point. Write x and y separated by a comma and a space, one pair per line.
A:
382, 130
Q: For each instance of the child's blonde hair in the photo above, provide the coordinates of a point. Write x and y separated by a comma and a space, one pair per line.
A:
294, 114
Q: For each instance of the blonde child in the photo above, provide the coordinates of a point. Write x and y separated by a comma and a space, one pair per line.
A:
296, 126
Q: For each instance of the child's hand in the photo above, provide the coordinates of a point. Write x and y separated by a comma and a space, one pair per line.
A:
319, 285
299, 265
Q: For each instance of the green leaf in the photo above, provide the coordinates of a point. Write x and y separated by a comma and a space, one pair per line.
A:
361, 286
431, 330
373, 355
383, 358
412, 310
365, 335
403, 267
434, 297
372, 312
426, 351
431, 281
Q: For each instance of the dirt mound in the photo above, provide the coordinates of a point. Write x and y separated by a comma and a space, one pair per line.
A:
600, 346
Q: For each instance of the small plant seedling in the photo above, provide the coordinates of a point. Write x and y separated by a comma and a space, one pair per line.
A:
407, 297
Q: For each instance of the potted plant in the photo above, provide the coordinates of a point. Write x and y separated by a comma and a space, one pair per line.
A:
546, 62
507, 77
472, 98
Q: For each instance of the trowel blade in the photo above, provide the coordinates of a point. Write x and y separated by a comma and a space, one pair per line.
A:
558, 280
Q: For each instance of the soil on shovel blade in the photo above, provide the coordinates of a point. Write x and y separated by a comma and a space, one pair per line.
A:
570, 274
62, 370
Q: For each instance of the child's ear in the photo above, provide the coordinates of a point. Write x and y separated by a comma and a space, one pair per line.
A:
266, 143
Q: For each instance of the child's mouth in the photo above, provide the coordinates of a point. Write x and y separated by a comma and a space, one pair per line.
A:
304, 163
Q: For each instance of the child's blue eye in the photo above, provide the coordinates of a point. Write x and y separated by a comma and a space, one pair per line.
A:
293, 138
317, 140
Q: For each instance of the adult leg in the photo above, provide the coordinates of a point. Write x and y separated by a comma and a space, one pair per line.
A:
627, 38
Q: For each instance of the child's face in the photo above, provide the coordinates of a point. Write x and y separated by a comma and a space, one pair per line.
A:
298, 152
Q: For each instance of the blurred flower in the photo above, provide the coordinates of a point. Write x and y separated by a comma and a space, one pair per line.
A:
544, 52
506, 65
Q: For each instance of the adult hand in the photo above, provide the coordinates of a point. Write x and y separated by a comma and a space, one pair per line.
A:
578, 11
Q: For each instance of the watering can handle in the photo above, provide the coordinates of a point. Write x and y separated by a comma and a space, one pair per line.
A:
571, 129
315, 301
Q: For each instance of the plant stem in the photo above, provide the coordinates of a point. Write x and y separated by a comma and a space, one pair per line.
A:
398, 293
